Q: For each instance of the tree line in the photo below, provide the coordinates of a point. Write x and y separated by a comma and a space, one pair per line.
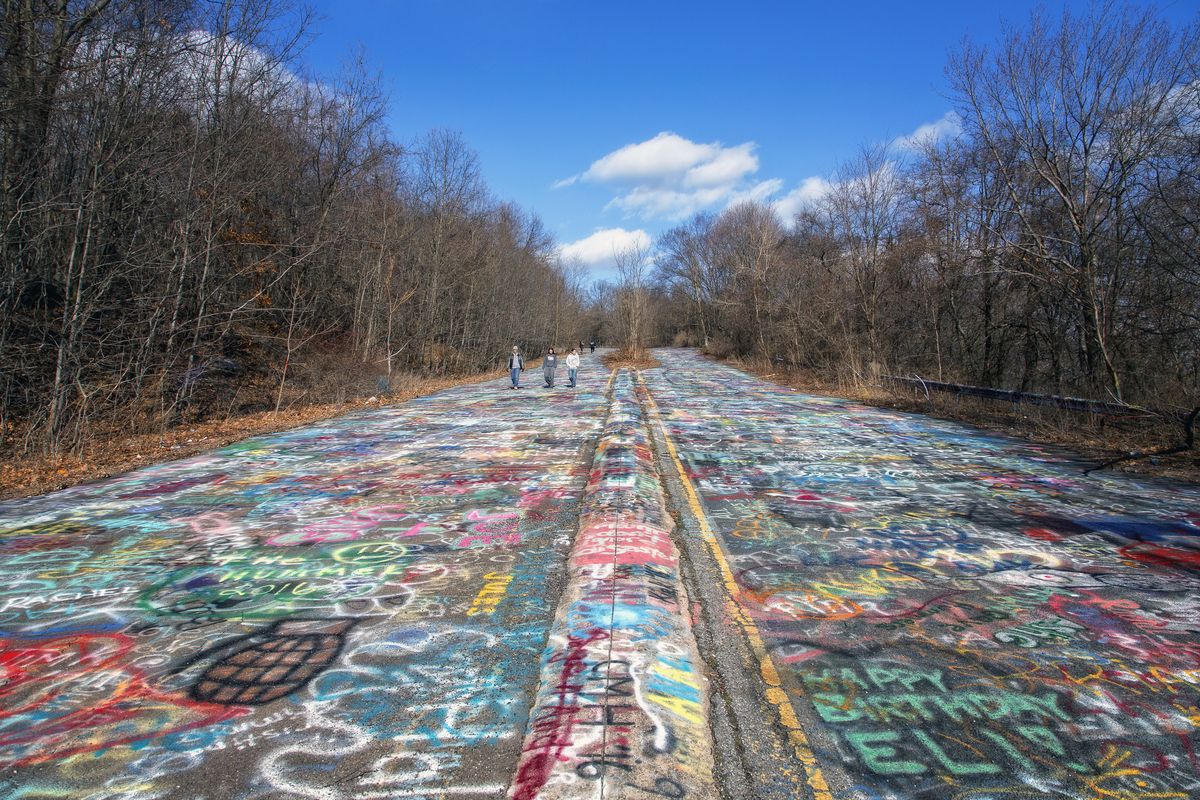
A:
185, 214
1052, 245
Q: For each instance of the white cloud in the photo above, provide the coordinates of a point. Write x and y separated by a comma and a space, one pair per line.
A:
947, 126
598, 249
727, 166
761, 192
651, 202
665, 158
673, 205
815, 188
810, 191
669, 176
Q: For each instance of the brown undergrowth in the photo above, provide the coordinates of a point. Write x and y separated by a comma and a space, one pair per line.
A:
1096, 439
630, 359
113, 452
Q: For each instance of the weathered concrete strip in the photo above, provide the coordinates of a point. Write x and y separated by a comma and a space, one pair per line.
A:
622, 706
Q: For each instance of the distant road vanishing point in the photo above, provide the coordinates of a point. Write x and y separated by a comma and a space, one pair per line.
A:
679, 582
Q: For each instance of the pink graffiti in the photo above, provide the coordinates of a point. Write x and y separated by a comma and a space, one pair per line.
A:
489, 529
346, 528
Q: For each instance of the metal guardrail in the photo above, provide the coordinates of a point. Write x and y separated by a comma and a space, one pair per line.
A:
1069, 403
1186, 419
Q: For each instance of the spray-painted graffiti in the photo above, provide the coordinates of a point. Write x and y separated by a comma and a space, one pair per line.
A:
955, 614
355, 609
621, 710
266, 665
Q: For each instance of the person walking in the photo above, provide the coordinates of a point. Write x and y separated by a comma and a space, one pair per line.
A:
549, 364
593, 345
573, 365
515, 365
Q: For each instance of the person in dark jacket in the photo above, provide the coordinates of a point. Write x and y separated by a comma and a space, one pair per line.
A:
593, 345
549, 364
515, 365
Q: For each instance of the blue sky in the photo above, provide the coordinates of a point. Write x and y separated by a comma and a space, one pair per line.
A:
759, 99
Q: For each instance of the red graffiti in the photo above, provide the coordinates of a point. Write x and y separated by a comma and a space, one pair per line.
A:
1162, 556
553, 723
1043, 534
78, 694
173, 486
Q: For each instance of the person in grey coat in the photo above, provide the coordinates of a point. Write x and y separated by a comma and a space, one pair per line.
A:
549, 364
515, 365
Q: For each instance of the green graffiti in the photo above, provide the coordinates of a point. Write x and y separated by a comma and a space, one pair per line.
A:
1046, 739
956, 768
908, 678
1013, 753
882, 758
959, 707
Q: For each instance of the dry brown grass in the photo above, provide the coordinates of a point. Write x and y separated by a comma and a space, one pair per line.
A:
113, 454
1095, 438
630, 359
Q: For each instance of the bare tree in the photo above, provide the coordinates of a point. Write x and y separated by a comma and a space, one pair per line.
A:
633, 269
191, 227
1072, 114
685, 260
1051, 246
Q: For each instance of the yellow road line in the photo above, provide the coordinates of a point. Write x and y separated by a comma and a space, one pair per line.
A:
775, 694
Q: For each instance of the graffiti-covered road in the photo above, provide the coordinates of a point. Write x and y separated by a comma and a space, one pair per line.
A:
353, 609
940, 612
679, 583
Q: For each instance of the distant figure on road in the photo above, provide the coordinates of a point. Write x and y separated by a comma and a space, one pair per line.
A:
573, 365
593, 345
549, 364
515, 365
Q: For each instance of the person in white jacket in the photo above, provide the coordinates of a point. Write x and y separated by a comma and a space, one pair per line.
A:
573, 366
